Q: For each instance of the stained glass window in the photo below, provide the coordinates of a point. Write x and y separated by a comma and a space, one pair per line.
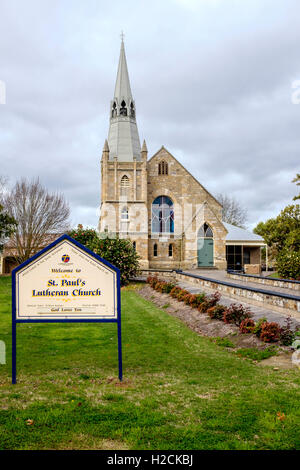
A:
162, 215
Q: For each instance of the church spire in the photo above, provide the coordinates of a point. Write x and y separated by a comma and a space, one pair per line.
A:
122, 88
123, 137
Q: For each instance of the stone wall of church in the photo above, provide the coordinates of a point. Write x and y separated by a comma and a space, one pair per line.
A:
193, 206
114, 200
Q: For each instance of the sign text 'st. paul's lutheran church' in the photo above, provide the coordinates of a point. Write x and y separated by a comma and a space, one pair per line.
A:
173, 221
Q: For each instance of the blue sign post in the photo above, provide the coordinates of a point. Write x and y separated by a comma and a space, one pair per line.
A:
65, 282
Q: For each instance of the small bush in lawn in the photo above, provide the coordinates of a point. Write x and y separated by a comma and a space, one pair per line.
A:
209, 302
258, 326
216, 312
236, 313
225, 342
287, 334
270, 332
257, 354
247, 326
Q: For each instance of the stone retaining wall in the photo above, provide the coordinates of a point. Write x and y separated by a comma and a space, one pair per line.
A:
282, 303
285, 283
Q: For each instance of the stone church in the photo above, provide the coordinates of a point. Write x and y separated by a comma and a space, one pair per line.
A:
172, 220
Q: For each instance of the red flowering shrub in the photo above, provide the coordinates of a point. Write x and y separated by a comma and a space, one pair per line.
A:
152, 280
247, 326
287, 332
181, 294
209, 302
270, 332
194, 300
175, 291
236, 314
216, 312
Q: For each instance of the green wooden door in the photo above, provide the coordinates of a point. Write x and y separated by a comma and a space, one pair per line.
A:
205, 252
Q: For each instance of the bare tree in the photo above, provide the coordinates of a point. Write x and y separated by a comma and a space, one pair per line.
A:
40, 217
233, 213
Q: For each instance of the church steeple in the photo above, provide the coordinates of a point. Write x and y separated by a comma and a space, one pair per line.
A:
123, 137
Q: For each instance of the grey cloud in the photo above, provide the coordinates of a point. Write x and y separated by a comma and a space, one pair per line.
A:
212, 82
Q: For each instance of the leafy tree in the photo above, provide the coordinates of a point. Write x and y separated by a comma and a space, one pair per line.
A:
288, 264
282, 235
117, 251
232, 212
282, 231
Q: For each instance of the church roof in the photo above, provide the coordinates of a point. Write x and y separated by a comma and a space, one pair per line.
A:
240, 234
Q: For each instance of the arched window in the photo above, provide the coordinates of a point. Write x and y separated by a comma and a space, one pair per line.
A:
123, 109
124, 186
155, 249
114, 110
205, 232
132, 112
163, 168
124, 213
162, 215
134, 245
170, 249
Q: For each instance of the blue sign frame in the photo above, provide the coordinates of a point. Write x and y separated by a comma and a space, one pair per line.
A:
15, 321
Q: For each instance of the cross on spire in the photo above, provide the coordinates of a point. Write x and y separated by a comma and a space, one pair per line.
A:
122, 35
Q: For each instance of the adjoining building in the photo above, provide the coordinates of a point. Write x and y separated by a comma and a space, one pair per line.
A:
171, 218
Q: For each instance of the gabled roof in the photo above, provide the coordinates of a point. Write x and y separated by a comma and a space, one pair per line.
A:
240, 234
163, 148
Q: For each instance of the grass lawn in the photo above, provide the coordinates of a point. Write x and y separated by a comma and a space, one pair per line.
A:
180, 390
274, 275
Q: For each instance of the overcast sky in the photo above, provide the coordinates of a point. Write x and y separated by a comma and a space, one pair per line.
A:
212, 81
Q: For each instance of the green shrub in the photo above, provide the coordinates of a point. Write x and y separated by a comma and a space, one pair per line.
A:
288, 264
116, 251
83, 236
168, 287
225, 342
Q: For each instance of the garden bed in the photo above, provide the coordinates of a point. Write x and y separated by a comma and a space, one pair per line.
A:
224, 334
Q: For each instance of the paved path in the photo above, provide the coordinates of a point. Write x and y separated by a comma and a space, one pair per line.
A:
221, 276
258, 312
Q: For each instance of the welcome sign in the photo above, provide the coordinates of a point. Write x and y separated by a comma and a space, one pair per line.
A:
65, 282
